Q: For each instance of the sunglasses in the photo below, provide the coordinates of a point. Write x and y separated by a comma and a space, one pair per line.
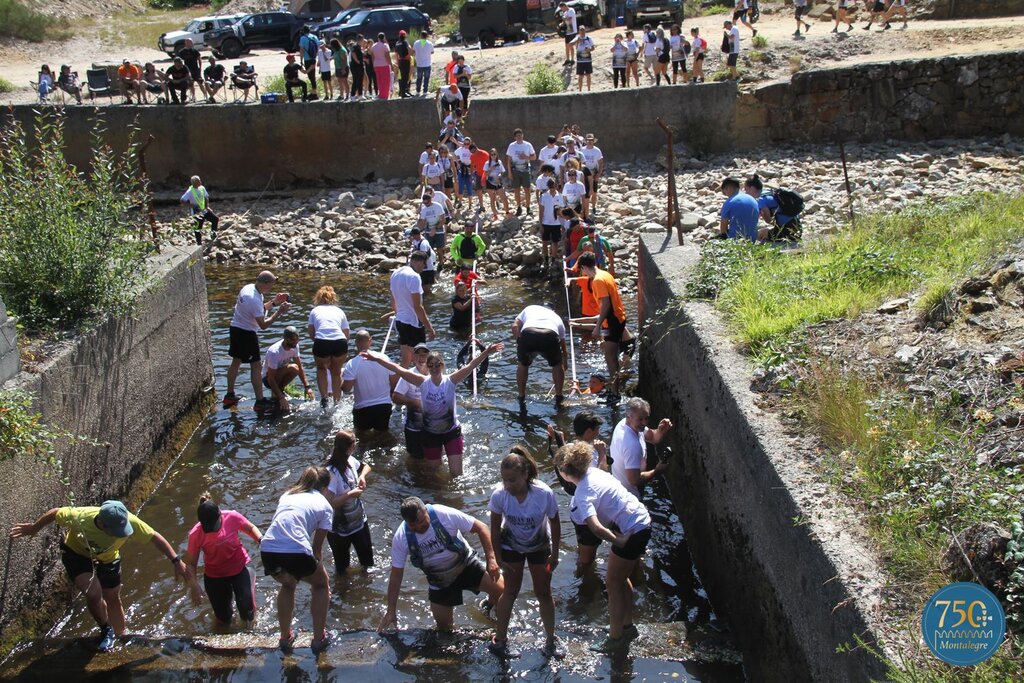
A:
435, 365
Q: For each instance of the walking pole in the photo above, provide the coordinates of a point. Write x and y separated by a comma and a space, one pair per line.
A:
568, 309
384, 349
472, 323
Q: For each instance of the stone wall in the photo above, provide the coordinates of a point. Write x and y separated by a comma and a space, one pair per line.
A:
130, 388
981, 94
776, 553
964, 9
9, 359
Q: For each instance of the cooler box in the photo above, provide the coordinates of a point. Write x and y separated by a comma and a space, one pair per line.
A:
271, 98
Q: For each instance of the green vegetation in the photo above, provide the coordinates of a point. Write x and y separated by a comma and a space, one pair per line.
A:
6, 86
693, 9
133, 29
19, 21
544, 79
68, 251
759, 42
272, 84
21, 432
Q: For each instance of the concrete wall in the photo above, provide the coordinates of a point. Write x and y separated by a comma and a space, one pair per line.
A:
240, 148
129, 386
9, 358
962, 9
773, 549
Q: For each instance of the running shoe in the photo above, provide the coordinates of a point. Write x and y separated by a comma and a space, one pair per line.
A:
503, 650
318, 646
835, 30
106, 643
609, 645
519, 210
287, 644
553, 648
630, 631
230, 400
323, 404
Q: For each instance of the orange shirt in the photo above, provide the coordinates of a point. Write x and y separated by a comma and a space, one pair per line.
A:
605, 287
590, 305
478, 159
129, 71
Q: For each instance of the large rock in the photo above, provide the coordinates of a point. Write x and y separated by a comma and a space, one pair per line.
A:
978, 554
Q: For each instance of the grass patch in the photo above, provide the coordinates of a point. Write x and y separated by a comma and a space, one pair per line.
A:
19, 21
544, 79
272, 83
142, 29
881, 256
692, 8
759, 41
6, 86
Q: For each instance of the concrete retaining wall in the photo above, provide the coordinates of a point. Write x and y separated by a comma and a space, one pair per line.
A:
774, 550
9, 358
964, 9
131, 386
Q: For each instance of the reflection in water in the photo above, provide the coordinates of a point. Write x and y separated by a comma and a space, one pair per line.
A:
248, 462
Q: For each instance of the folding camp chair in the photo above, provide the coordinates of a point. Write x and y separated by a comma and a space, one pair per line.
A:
238, 91
54, 90
99, 83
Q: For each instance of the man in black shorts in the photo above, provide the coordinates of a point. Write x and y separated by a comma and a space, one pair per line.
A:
91, 554
431, 538
371, 384
411, 321
249, 318
539, 330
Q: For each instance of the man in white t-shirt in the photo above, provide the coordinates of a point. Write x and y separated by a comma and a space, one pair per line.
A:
548, 154
539, 330
432, 538
250, 317
650, 40
423, 50
571, 27
411, 319
733, 33
519, 155
431, 222
593, 158
283, 365
551, 202
419, 243
371, 384
628, 449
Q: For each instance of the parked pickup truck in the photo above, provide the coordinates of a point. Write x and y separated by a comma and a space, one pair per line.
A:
195, 31
278, 30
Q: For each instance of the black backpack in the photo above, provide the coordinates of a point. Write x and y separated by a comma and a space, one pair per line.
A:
726, 43
790, 202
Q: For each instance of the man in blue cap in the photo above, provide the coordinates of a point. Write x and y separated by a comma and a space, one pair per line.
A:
91, 556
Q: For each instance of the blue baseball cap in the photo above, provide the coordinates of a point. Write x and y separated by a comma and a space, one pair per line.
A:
114, 516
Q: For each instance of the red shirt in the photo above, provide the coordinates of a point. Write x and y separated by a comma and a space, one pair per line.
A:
478, 159
448, 69
224, 554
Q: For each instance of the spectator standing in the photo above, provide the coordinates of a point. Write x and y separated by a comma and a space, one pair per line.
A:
382, 67
198, 199
371, 72
323, 64
732, 34
519, 154
339, 55
628, 449
632, 58
192, 59
679, 48
309, 47
463, 75
700, 48
650, 51
739, 213
404, 57
129, 77
371, 385
178, 79
620, 54
584, 45
663, 50
213, 76
571, 27
67, 81
423, 51
357, 65
292, 79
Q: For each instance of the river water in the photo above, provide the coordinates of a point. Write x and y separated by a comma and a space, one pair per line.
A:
247, 462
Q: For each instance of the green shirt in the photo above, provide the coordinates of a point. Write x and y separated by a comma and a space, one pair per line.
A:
86, 539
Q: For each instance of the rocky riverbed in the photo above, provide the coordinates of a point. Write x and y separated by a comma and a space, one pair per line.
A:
362, 227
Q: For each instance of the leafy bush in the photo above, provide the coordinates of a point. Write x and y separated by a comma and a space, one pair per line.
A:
273, 84
19, 21
21, 432
543, 79
6, 86
759, 42
68, 251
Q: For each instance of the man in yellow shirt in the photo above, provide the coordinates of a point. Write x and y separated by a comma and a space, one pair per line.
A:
610, 324
91, 556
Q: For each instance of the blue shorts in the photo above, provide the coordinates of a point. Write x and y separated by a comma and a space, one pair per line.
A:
466, 184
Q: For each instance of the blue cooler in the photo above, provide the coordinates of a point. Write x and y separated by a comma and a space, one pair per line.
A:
271, 98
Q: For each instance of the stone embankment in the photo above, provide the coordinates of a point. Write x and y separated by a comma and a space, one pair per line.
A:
361, 227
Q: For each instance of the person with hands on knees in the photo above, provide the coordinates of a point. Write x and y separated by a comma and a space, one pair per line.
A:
348, 481
291, 552
91, 555
431, 537
283, 365
525, 529
227, 575
601, 504
629, 446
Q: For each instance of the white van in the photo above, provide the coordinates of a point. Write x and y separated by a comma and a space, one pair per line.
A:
196, 30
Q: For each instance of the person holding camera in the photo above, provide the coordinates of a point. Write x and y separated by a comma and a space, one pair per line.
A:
584, 45
568, 28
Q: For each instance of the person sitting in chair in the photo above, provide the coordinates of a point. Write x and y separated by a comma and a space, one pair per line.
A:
178, 79
214, 78
129, 77
292, 80
68, 82
244, 78
154, 83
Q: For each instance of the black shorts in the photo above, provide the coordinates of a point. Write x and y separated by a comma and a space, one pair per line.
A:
243, 345
635, 546
428, 277
372, 417
738, 14
584, 68
299, 565
108, 573
551, 233
341, 73
154, 87
800, 11
534, 558
569, 38
492, 186
468, 580
613, 333
195, 74
330, 348
698, 58
590, 183
731, 61
678, 66
544, 342
879, 6
410, 335
584, 536
414, 443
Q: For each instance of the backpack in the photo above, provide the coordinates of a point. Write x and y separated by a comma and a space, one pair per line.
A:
447, 540
726, 43
790, 202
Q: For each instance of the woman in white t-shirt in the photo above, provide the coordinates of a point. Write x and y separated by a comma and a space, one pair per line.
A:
348, 481
600, 502
433, 173
329, 328
493, 172
524, 529
291, 552
441, 429
632, 58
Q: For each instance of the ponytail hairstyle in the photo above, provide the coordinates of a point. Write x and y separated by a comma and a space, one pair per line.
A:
344, 440
311, 479
520, 460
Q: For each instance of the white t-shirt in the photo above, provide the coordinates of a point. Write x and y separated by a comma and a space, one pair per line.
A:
520, 152
676, 46
584, 46
734, 40
619, 52
494, 170
592, 157
424, 246
351, 516
650, 46
404, 283
463, 155
298, 517
329, 322
462, 75
438, 400
574, 192
698, 45
372, 382
629, 452
432, 213
433, 171
541, 317
549, 206
323, 60
248, 307
632, 48
413, 416
277, 356
542, 181
437, 559
600, 494
569, 17
424, 52
547, 153
525, 526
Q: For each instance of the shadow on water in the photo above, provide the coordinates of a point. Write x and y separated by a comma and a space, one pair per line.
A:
248, 462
